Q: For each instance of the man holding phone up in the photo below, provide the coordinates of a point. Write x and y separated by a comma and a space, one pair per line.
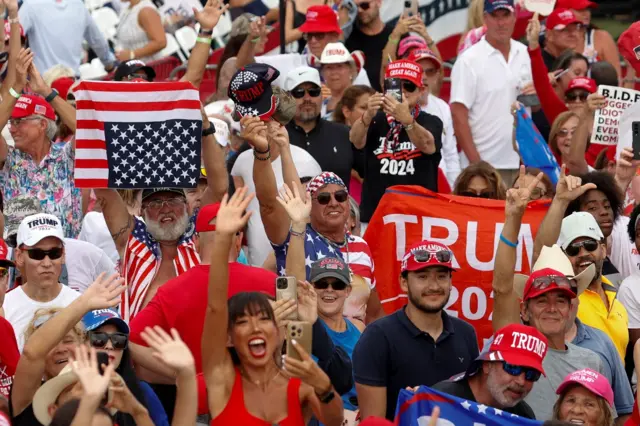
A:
402, 143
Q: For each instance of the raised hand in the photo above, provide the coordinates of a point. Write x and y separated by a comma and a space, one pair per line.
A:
533, 32
596, 101
374, 104
282, 310
123, 400
298, 208
24, 61
255, 132
279, 135
209, 16
626, 166
307, 302
570, 187
233, 214
307, 370
36, 82
398, 110
85, 365
104, 293
170, 350
518, 198
12, 7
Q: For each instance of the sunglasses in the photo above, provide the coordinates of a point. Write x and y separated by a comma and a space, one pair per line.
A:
99, 339
324, 284
543, 282
365, 5
158, 204
317, 36
409, 86
564, 132
39, 254
299, 92
423, 256
487, 194
574, 248
530, 374
325, 197
580, 97
15, 122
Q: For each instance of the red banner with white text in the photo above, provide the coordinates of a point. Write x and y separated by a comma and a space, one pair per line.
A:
471, 228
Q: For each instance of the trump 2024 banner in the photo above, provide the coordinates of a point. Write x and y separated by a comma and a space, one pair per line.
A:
414, 409
470, 227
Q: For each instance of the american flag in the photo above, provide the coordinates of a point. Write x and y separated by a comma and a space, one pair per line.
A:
137, 135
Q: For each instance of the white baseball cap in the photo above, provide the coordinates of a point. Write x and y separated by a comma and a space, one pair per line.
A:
37, 227
303, 74
576, 225
335, 53
222, 130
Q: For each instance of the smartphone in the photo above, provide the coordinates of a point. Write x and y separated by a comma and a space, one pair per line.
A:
393, 87
410, 8
301, 332
529, 100
287, 288
635, 131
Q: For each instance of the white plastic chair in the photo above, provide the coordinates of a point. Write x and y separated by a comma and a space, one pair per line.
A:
186, 38
222, 29
107, 21
92, 5
89, 72
172, 47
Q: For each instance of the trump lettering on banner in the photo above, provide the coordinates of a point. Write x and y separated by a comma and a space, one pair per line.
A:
470, 227
607, 119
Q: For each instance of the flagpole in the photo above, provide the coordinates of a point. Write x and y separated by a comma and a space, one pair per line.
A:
282, 12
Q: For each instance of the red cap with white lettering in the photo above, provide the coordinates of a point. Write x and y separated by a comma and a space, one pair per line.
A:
584, 83
518, 344
405, 70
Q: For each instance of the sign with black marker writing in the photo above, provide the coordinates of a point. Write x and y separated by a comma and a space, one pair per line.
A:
607, 119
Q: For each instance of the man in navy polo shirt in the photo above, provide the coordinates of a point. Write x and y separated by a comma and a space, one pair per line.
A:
417, 345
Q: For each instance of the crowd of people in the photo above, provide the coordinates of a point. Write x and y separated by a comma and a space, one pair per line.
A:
251, 298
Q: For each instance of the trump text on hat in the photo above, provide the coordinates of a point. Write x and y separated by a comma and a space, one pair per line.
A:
43, 221
524, 341
250, 94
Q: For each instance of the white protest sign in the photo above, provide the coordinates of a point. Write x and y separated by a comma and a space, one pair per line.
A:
543, 7
607, 119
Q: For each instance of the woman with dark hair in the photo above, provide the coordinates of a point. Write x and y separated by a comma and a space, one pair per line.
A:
544, 190
480, 180
352, 104
241, 349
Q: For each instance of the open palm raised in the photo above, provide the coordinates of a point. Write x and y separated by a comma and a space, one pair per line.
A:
297, 207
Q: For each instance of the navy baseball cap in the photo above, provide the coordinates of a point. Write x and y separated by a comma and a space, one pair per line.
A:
491, 6
94, 319
250, 90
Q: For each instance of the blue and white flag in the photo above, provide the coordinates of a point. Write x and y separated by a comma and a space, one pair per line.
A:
534, 150
414, 409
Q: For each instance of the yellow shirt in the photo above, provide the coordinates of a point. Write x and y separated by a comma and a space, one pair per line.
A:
593, 312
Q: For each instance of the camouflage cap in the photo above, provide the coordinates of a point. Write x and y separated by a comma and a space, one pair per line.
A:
286, 109
15, 210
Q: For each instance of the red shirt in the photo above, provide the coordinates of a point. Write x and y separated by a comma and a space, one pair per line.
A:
9, 356
181, 303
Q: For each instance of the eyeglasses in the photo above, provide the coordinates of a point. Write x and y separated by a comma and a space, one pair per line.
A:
543, 282
530, 374
39, 254
423, 256
486, 194
409, 86
565, 132
99, 339
576, 97
317, 36
325, 197
324, 284
15, 122
158, 204
574, 248
299, 92
365, 5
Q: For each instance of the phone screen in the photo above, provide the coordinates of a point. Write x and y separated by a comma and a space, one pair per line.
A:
393, 87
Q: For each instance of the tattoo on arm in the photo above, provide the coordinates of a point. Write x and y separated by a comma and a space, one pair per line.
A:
122, 230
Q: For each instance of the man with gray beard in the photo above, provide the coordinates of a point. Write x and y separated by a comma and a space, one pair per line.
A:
326, 141
504, 375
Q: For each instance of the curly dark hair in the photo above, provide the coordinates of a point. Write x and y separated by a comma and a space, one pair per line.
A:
631, 227
606, 183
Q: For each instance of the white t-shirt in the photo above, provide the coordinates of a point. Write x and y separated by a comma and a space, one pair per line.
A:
95, 231
629, 296
19, 308
289, 61
84, 263
450, 162
624, 255
487, 85
259, 246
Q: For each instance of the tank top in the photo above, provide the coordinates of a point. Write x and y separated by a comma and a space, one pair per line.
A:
590, 51
235, 413
346, 340
130, 34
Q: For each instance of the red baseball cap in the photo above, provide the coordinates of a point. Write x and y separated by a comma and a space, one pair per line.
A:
531, 292
425, 254
206, 216
411, 42
561, 18
4, 256
584, 83
419, 54
518, 344
321, 19
629, 46
575, 4
405, 70
32, 105
592, 381
62, 85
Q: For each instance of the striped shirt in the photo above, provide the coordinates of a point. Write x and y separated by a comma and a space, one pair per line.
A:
141, 263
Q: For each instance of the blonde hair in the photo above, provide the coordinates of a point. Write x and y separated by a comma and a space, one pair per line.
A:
606, 414
475, 15
42, 315
56, 72
560, 121
485, 171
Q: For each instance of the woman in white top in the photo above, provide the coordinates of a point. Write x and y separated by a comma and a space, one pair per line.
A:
140, 34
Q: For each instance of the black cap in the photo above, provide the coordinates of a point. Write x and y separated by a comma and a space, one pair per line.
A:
330, 267
250, 90
132, 66
146, 193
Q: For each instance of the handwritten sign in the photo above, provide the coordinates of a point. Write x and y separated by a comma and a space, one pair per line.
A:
543, 7
607, 120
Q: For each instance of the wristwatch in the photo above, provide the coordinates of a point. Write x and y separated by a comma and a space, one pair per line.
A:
409, 126
327, 397
210, 131
51, 96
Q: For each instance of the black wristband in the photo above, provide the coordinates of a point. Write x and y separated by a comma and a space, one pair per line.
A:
210, 131
51, 96
207, 33
261, 152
